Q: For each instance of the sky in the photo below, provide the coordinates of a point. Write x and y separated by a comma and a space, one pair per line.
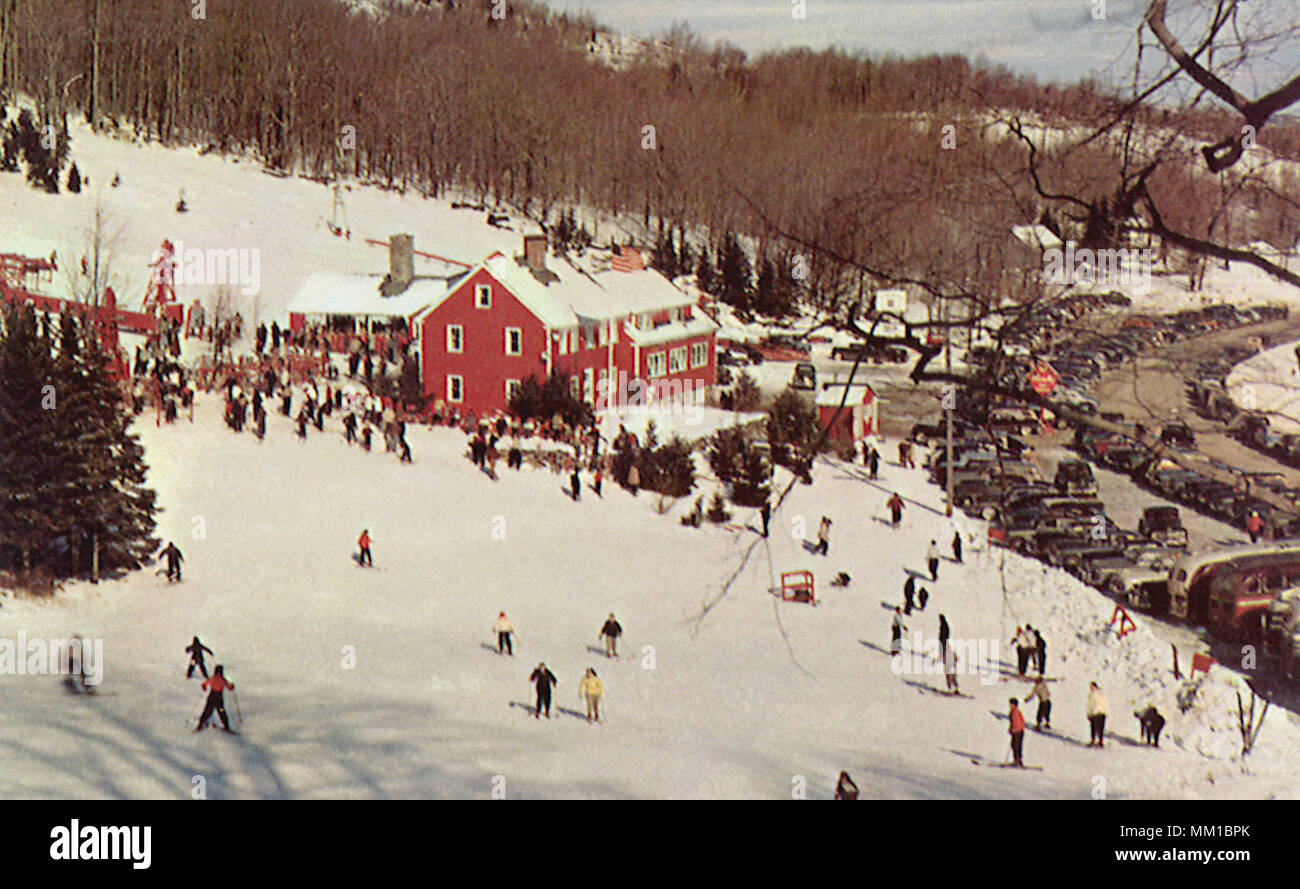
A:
1056, 40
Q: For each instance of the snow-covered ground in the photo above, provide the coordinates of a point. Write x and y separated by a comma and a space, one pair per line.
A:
384, 683
1270, 382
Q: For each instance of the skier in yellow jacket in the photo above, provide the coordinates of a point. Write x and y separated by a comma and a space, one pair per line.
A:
591, 689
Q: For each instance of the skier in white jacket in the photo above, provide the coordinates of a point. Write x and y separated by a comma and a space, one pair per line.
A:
932, 559
504, 630
1096, 709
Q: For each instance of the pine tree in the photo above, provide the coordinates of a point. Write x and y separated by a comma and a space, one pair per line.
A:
28, 458
734, 270
113, 509
706, 278
792, 428
74, 179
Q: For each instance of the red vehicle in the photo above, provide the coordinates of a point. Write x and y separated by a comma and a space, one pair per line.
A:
1240, 595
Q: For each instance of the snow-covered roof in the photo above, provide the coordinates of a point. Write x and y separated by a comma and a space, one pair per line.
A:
1039, 236
830, 394
574, 295
330, 293
671, 332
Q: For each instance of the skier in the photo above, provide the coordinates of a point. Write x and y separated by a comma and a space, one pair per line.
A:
895, 505
350, 428
195, 650
1096, 712
909, 595
216, 687
633, 479
896, 629
956, 547
905, 455
845, 788
873, 461
504, 629
922, 596
823, 536
1023, 648
364, 543
174, 560
1017, 731
765, 513
932, 559
595, 483
944, 632
591, 689
1040, 652
610, 633
544, 679
950, 667
1042, 718
575, 485
1152, 722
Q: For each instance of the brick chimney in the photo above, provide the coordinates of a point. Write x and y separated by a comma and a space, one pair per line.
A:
535, 252
401, 264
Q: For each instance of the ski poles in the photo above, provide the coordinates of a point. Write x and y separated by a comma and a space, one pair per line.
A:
194, 711
235, 697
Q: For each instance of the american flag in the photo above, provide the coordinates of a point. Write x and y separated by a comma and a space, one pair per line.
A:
629, 259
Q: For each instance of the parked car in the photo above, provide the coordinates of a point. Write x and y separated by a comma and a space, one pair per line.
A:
1178, 435
1163, 525
1075, 477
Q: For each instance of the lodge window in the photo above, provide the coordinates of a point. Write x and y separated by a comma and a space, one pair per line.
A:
589, 337
514, 341
512, 388
455, 338
483, 296
677, 360
699, 354
455, 389
655, 364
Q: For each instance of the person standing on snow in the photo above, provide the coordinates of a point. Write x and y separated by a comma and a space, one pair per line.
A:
765, 513
545, 680
216, 687
944, 633
1152, 722
364, 557
1017, 731
591, 689
908, 595
1043, 718
896, 629
504, 630
1040, 652
895, 505
1023, 649
956, 547
195, 650
823, 536
633, 479
922, 596
932, 560
1254, 526
174, 560
950, 667
575, 485
610, 633
873, 461
1096, 712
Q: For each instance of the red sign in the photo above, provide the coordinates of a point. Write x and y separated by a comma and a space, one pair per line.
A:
1043, 379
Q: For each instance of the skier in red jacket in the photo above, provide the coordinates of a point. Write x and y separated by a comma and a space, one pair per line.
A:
215, 687
1017, 731
364, 542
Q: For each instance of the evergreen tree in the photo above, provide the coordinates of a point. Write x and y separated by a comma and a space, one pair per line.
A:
706, 277
28, 516
792, 428
74, 179
734, 270
107, 503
